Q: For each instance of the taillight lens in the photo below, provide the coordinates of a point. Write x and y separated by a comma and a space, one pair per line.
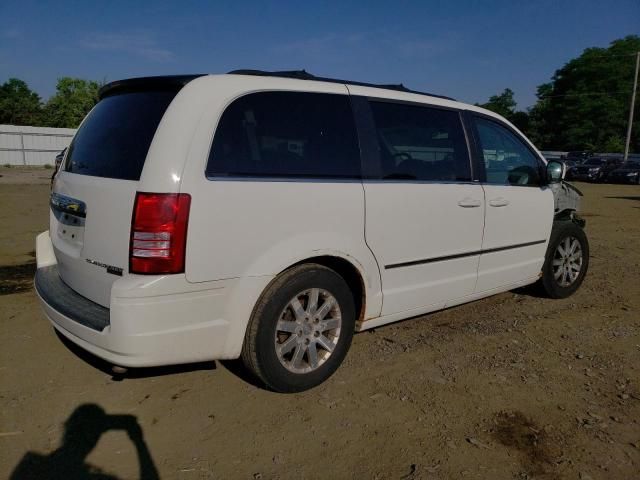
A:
159, 233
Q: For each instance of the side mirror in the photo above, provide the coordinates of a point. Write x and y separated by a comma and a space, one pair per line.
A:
555, 171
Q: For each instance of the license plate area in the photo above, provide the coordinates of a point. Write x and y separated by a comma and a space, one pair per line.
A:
70, 228
70, 215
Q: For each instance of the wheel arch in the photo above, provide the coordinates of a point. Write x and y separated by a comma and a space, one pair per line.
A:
351, 274
569, 215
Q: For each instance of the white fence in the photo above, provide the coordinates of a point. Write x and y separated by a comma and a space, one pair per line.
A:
32, 145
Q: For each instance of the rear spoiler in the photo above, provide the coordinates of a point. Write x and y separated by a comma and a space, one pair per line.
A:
167, 82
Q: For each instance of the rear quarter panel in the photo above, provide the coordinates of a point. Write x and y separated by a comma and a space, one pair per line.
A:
259, 227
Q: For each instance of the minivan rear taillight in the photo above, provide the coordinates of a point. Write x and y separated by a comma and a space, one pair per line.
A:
159, 233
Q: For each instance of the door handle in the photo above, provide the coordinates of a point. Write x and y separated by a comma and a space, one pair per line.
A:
499, 202
468, 202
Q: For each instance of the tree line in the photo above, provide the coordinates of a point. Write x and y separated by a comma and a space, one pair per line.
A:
585, 106
74, 97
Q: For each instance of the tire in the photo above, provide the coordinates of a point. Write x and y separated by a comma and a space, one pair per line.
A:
283, 359
563, 234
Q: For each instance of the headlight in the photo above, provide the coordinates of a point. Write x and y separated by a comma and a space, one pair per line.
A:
593, 170
632, 174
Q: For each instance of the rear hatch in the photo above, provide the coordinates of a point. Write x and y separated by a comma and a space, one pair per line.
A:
93, 196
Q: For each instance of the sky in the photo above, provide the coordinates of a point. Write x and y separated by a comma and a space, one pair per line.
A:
469, 50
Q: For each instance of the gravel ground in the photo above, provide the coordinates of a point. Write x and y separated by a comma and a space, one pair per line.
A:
513, 386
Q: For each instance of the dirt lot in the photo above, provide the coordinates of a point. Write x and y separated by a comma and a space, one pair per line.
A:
513, 386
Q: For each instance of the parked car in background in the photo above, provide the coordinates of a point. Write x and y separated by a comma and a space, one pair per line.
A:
595, 169
628, 172
552, 156
577, 156
570, 165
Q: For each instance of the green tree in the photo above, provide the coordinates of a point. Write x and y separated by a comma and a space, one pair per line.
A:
503, 104
19, 105
73, 99
586, 104
538, 131
613, 144
521, 120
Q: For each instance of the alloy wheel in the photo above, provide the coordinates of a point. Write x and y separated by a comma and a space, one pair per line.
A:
308, 330
567, 261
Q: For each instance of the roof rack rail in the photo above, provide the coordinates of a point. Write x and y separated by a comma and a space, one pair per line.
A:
304, 75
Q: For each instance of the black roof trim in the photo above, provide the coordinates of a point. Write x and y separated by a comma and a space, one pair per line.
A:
176, 82
170, 82
304, 75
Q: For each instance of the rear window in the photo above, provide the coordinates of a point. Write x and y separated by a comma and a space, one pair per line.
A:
114, 139
286, 134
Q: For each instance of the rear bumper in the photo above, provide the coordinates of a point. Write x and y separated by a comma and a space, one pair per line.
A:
61, 298
152, 320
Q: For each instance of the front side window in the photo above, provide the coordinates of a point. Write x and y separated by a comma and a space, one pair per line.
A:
507, 160
420, 143
286, 134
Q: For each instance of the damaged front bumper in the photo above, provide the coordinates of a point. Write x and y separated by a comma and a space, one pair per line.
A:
566, 198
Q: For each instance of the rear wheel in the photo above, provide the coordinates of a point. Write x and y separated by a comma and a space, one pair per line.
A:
567, 260
300, 329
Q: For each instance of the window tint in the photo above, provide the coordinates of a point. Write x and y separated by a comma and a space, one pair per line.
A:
507, 160
114, 139
283, 134
420, 143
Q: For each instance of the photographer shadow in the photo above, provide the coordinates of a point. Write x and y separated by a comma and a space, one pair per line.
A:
82, 430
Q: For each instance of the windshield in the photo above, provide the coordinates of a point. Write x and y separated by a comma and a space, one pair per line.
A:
114, 139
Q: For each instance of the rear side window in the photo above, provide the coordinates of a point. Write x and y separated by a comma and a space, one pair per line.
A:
420, 143
114, 139
286, 134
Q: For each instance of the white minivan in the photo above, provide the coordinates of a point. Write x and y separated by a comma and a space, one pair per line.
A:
270, 215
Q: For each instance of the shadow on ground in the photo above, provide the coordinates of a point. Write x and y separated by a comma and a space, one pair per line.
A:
17, 278
632, 197
237, 368
145, 372
82, 430
534, 290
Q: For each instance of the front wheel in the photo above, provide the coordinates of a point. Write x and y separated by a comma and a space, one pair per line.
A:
300, 329
567, 260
